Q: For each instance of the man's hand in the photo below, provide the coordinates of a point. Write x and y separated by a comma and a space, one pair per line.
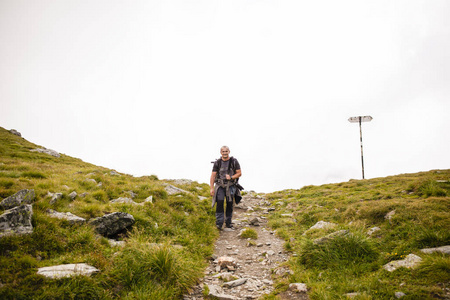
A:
228, 177
212, 191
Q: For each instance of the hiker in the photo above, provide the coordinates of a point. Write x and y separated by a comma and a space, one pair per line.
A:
224, 186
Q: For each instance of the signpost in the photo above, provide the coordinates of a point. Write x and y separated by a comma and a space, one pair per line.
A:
360, 119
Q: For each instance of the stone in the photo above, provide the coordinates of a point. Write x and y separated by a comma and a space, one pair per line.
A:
409, 262
443, 250
149, 199
56, 197
322, 225
47, 151
331, 236
73, 195
67, 270
16, 221
389, 215
298, 287
201, 198
132, 194
123, 200
112, 224
114, 243
351, 295
15, 132
172, 190
226, 261
373, 230
216, 292
399, 294
235, 283
255, 222
19, 198
114, 173
73, 219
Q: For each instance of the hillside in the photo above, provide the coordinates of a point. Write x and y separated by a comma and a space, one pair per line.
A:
165, 248
365, 225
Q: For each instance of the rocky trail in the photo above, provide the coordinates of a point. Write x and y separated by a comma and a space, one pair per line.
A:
244, 268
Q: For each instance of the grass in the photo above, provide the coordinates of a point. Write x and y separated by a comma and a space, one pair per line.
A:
249, 233
353, 263
165, 251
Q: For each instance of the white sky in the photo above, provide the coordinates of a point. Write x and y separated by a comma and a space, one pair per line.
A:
157, 87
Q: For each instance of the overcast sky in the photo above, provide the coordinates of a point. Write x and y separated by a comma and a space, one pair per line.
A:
157, 87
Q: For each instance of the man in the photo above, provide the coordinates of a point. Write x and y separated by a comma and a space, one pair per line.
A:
225, 172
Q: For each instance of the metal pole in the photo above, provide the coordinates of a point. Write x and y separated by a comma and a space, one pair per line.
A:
362, 156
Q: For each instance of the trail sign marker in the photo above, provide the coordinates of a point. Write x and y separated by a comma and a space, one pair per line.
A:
359, 120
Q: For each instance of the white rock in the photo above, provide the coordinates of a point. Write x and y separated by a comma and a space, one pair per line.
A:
443, 249
399, 294
235, 283
409, 262
322, 225
73, 219
373, 230
298, 287
68, 270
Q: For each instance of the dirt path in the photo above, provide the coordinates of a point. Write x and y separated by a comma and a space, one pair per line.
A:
250, 262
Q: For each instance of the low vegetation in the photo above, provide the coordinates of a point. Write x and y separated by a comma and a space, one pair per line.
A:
165, 251
419, 210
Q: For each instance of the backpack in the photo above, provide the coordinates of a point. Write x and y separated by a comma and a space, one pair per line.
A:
231, 166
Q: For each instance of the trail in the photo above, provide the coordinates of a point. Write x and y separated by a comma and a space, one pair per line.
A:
255, 262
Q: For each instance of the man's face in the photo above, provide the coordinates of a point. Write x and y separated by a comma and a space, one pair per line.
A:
225, 153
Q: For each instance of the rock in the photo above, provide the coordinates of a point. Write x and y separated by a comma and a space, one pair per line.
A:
172, 190
149, 199
331, 236
68, 270
287, 215
91, 180
123, 200
112, 224
19, 198
216, 292
73, 195
183, 181
399, 294
443, 249
322, 225
226, 261
114, 173
16, 221
114, 243
255, 222
15, 132
56, 197
227, 276
409, 262
235, 283
73, 219
351, 295
201, 198
389, 216
47, 151
298, 287
373, 230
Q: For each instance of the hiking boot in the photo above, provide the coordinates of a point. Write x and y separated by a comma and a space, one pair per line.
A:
219, 227
229, 226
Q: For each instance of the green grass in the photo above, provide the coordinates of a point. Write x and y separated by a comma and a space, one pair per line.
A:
165, 252
354, 262
249, 233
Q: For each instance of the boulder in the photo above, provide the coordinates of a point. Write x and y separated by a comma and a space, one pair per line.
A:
172, 190
19, 198
68, 270
216, 292
47, 151
15, 132
235, 283
73, 219
409, 262
112, 224
16, 221
73, 195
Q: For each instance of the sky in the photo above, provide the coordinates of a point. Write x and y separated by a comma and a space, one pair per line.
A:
157, 87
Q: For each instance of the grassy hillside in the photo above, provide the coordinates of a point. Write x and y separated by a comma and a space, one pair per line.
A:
164, 253
353, 263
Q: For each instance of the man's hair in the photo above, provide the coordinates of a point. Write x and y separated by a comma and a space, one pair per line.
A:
224, 147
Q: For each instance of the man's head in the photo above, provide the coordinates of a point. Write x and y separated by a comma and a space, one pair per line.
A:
225, 152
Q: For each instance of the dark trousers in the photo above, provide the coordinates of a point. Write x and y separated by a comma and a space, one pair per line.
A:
220, 203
